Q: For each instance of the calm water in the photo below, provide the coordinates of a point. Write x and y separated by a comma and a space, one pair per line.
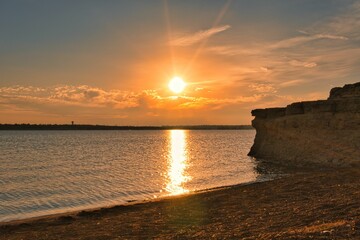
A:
47, 172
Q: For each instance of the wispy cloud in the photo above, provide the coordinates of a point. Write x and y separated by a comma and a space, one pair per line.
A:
298, 63
265, 48
322, 54
191, 39
291, 42
347, 23
263, 87
291, 83
234, 50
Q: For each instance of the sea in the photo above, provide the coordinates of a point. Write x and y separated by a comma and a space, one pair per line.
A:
50, 172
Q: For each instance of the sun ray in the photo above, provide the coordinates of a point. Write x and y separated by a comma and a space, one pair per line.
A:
169, 34
204, 42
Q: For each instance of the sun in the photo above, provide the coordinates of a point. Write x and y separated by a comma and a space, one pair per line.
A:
177, 85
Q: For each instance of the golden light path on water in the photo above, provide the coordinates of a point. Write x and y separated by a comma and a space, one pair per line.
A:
177, 163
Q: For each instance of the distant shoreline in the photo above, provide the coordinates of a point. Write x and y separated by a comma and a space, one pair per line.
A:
106, 127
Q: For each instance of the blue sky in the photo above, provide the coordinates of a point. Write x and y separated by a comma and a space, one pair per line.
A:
235, 56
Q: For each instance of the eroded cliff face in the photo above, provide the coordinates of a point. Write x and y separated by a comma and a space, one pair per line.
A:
324, 132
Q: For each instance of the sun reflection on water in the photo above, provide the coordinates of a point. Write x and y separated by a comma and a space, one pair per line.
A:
177, 163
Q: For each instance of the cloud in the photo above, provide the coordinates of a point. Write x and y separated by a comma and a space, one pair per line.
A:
297, 63
347, 23
291, 83
197, 37
261, 49
86, 104
234, 50
69, 99
321, 55
263, 87
291, 42
83, 95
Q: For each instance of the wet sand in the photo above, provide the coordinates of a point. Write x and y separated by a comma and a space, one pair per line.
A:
314, 205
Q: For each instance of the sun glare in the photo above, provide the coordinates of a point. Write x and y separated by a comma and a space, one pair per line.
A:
177, 85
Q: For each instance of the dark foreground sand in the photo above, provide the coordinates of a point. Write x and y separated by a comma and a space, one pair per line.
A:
320, 205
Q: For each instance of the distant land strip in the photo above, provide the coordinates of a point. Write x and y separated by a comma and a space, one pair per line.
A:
106, 127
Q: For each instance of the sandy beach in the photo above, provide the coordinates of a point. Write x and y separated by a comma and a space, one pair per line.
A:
319, 205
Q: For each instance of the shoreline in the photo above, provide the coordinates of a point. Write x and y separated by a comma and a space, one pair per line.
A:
263, 178
319, 204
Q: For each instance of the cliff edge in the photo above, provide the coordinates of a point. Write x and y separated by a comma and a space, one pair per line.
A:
324, 132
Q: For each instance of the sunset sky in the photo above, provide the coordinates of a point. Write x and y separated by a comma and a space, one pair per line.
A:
110, 62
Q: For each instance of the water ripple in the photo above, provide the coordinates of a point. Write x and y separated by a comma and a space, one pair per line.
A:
46, 172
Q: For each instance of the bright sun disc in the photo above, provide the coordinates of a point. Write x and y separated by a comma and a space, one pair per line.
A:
177, 85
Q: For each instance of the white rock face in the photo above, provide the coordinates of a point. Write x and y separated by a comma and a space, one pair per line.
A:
325, 132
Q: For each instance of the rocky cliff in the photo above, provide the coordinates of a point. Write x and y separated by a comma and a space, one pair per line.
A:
324, 132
